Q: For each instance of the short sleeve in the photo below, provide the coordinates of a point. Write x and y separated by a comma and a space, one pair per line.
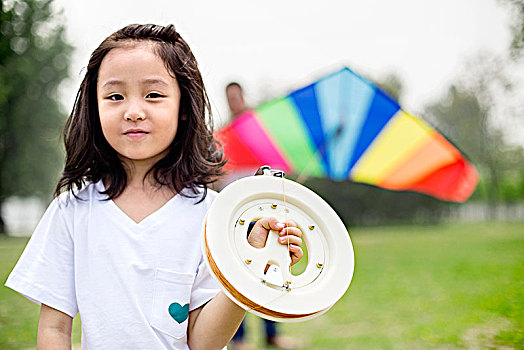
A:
204, 287
45, 271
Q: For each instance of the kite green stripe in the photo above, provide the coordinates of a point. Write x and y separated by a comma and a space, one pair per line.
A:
283, 122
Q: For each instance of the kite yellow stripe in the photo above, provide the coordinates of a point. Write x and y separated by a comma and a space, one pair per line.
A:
399, 140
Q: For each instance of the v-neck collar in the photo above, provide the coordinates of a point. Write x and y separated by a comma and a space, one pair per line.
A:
149, 220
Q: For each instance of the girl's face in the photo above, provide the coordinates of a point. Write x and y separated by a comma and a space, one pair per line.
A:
138, 103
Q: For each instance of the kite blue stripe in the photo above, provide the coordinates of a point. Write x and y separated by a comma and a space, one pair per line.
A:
356, 98
381, 110
328, 95
306, 102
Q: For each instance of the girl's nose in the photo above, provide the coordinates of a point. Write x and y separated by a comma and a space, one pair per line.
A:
134, 112
134, 116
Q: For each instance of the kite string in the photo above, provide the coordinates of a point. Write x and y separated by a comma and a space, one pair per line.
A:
285, 218
302, 176
288, 245
287, 236
319, 154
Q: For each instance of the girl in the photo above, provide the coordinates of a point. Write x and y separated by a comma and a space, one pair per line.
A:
120, 244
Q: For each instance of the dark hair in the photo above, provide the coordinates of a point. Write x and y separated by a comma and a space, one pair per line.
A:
194, 159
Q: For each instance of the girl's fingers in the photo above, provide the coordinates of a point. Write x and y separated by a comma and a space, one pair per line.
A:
291, 239
269, 223
296, 253
287, 231
290, 231
292, 236
290, 223
258, 235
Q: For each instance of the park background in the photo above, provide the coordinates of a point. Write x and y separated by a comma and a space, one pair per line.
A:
429, 274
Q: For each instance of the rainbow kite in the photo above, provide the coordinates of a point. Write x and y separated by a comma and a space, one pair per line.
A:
345, 128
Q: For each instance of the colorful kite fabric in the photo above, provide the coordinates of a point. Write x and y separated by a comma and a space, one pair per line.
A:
345, 128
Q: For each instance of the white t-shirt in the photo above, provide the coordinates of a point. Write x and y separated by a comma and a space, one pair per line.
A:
133, 284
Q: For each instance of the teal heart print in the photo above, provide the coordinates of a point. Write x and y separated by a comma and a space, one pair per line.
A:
178, 312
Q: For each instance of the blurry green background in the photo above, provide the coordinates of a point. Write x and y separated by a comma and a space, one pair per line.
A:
429, 274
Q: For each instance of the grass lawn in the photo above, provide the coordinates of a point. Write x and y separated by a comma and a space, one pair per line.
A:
18, 316
437, 287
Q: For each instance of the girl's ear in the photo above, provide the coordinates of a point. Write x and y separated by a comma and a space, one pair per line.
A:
183, 117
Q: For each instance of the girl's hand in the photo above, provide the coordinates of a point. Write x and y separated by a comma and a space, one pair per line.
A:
287, 231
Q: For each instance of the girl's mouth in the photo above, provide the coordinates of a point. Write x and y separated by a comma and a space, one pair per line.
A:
135, 133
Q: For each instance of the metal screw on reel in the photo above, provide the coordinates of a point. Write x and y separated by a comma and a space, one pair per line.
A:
266, 170
259, 280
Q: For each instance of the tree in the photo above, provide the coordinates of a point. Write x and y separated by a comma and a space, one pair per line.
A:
470, 115
517, 26
393, 85
464, 121
34, 60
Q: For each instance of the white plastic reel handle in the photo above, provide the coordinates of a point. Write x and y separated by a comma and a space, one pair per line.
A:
330, 253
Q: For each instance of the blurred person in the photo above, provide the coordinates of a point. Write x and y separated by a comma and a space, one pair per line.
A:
235, 99
237, 106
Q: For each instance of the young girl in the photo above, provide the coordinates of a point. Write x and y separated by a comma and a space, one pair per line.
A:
120, 244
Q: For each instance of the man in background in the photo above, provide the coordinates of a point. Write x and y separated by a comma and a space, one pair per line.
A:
235, 99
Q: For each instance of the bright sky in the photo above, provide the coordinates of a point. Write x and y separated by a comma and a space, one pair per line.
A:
274, 46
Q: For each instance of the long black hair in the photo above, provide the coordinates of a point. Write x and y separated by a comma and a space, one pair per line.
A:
194, 159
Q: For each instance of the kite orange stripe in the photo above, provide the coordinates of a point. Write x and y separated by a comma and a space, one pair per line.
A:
437, 153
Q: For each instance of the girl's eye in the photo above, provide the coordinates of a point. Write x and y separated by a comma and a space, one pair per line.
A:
154, 95
115, 97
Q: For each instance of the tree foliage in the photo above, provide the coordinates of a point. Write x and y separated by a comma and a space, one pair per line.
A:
393, 85
517, 26
34, 60
470, 117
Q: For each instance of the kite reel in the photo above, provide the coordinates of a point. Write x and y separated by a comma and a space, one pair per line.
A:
259, 279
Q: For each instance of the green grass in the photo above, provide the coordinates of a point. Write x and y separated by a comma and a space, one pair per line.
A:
18, 316
438, 287
450, 286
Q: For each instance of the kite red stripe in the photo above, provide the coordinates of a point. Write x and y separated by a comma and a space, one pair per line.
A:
234, 149
455, 182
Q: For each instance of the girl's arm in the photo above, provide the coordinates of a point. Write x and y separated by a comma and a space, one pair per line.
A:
54, 329
213, 325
